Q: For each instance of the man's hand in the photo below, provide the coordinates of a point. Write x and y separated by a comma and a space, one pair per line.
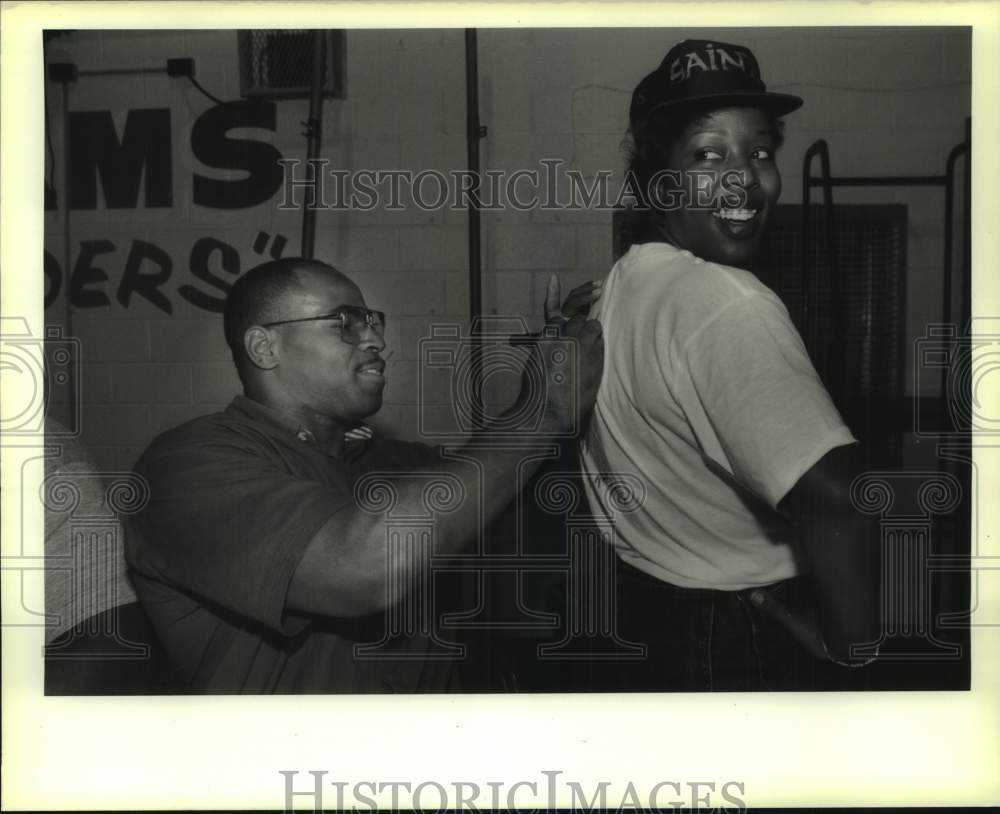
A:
571, 389
578, 301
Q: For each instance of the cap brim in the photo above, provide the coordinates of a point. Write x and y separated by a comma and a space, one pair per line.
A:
777, 104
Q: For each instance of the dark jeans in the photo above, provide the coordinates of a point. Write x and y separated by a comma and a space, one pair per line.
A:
704, 640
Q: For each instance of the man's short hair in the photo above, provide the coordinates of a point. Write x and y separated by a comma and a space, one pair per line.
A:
256, 298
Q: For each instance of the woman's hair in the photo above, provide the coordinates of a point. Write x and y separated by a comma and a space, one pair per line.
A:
650, 139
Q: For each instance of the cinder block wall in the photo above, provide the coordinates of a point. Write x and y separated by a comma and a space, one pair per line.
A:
886, 103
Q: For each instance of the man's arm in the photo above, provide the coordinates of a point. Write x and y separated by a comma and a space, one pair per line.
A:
345, 568
840, 549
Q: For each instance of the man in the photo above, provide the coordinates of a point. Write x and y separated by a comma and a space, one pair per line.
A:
255, 564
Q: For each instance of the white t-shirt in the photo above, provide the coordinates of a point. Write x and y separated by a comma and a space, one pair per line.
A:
710, 399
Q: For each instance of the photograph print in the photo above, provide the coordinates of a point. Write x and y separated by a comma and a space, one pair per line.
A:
507, 360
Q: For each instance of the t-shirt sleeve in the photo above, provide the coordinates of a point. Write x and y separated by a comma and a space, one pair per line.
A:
764, 400
228, 524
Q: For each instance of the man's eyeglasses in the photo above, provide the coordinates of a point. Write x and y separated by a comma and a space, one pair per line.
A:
354, 320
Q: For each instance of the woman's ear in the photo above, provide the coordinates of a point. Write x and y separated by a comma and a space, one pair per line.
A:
262, 347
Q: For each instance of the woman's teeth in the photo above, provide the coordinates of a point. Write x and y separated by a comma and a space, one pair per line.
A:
738, 215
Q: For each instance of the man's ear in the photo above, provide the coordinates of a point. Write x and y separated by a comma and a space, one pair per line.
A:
261, 347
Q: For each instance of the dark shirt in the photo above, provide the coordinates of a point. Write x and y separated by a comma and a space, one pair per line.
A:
235, 498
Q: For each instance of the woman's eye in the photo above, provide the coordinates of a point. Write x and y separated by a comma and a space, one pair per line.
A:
707, 154
763, 154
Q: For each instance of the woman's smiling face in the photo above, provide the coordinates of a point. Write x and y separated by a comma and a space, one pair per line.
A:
729, 156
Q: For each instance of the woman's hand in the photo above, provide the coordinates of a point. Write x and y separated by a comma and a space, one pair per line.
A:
802, 628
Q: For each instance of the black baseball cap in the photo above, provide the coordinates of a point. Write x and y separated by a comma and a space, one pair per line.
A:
696, 72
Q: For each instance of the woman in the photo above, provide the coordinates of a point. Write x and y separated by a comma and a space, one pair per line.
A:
709, 398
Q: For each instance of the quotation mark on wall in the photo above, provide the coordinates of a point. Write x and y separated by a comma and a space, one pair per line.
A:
277, 247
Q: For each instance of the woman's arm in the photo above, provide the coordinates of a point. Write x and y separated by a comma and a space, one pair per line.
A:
840, 549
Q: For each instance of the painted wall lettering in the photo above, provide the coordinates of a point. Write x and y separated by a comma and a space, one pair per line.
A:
141, 161
145, 154
85, 274
95, 151
147, 271
201, 256
214, 148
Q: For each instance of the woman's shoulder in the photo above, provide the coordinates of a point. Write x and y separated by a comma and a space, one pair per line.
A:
660, 269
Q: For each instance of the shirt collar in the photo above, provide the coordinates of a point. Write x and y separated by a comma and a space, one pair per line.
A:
356, 439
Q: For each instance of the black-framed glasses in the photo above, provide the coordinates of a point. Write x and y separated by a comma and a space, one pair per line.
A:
354, 320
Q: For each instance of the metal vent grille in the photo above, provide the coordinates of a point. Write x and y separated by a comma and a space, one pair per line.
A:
856, 345
277, 63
